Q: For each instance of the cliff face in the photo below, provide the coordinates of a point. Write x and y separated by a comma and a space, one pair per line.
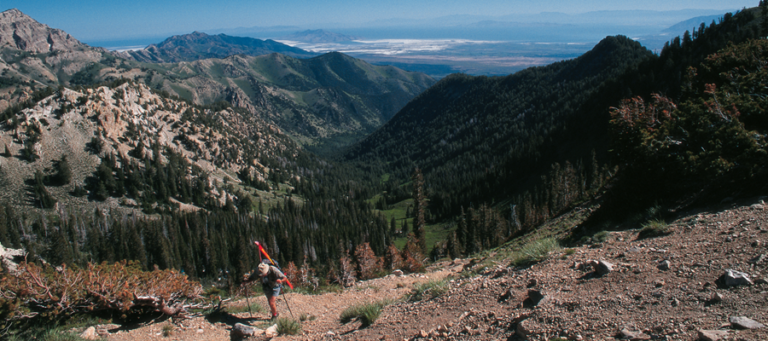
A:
21, 32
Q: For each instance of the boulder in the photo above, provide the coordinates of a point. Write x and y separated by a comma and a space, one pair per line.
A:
245, 331
603, 268
732, 278
271, 331
90, 334
741, 322
664, 265
716, 298
527, 328
398, 273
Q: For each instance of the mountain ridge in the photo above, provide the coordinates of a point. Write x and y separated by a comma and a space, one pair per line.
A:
20, 31
319, 36
199, 45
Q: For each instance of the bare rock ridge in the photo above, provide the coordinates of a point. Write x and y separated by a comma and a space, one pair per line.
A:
198, 45
19, 31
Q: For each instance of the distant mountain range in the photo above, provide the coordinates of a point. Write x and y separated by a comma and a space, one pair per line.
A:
319, 36
198, 45
692, 24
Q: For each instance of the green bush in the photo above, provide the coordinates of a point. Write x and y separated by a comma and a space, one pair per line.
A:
367, 313
654, 228
601, 237
535, 252
286, 326
429, 289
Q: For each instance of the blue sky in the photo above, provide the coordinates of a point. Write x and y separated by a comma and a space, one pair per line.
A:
105, 20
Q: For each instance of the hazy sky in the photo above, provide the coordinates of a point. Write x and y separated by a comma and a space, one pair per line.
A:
109, 19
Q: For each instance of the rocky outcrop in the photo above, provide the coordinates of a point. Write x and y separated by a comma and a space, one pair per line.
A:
11, 257
19, 31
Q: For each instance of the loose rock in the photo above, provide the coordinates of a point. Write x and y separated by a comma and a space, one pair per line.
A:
664, 265
742, 322
712, 335
271, 331
90, 334
242, 330
732, 278
633, 335
603, 268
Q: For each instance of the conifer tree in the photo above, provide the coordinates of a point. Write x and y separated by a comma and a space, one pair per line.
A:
63, 172
764, 14
43, 199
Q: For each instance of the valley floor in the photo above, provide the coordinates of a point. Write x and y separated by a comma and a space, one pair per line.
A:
562, 296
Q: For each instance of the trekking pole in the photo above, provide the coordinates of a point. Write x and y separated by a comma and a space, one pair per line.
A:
289, 307
248, 300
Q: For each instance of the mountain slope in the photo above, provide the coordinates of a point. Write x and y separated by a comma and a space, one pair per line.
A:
314, 100
19, 31
478, 139
124, 126
198, 45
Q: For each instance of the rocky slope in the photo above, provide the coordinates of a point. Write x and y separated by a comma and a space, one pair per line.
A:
121, 119
198, 45
19, 31
662, 288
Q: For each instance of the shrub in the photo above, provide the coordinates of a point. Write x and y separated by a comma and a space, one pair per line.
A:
367, 313
600, 237
118, 287
535, 252
286, 326
167, 330
429, 289
654, 228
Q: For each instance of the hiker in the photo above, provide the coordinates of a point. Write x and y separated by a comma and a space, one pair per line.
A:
271, 281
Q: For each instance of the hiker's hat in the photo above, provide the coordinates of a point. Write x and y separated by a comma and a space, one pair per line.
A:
263, 268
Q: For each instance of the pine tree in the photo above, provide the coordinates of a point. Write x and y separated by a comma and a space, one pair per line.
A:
43, 199
63, 172
764, 22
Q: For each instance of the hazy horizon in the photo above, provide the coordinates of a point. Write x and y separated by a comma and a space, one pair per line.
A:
143, 20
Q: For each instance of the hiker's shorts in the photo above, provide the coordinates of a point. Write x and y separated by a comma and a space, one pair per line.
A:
272, 292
